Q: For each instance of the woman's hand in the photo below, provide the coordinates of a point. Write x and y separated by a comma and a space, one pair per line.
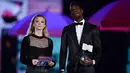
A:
51, 63
35, 61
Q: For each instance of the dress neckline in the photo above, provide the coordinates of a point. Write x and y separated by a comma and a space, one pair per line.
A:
38, 36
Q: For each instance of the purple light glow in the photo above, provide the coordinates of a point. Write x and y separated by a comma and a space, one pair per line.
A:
113, 17
55, 23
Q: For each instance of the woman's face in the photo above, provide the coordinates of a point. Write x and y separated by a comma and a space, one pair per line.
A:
39, 23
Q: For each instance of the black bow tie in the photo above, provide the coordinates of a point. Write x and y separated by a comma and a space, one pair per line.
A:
78, 23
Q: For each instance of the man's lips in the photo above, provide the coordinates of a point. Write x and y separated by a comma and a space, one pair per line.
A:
76, 13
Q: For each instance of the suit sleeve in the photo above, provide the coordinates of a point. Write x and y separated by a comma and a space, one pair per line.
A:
63, 49
24, 52
96, 45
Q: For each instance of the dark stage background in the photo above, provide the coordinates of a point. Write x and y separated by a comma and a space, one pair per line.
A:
115, 52
90, 6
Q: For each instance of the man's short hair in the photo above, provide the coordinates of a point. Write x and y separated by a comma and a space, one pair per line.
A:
75, 4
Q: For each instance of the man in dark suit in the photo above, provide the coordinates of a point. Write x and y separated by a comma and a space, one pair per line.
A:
75, 37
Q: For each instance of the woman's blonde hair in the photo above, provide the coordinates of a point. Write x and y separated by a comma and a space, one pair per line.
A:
31, 29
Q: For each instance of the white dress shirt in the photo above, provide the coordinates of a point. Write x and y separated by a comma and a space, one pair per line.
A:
79, 30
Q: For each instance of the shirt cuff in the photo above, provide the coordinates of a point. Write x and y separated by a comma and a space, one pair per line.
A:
93, 62
62, 70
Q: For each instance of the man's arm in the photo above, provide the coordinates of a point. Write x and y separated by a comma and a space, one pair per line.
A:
96, 45
63, 50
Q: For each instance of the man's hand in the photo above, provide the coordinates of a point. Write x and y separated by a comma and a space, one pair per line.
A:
87, 62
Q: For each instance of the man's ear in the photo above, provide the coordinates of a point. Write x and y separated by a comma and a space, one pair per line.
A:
82, 11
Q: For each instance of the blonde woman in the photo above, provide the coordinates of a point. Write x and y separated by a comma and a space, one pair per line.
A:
36, 44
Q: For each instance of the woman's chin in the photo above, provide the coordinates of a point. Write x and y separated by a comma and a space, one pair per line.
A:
39, 29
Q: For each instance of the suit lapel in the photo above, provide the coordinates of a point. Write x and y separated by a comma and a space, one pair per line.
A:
85, 32
74, 35
83, 35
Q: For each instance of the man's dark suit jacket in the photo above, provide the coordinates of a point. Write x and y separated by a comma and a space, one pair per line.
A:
90, 35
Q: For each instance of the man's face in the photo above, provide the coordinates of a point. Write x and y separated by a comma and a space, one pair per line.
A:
76, 12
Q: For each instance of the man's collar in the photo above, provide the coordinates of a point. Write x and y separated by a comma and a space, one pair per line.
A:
83, 21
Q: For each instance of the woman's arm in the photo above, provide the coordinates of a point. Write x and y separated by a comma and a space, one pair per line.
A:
24, 52
51, 47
